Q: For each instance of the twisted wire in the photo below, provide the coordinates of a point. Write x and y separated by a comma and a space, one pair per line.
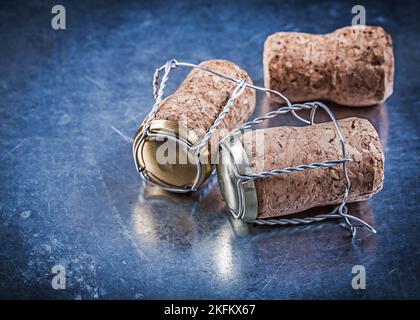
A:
158, 91
278, 94
302, 167
318, 218
236, 93
272, 114
296, 221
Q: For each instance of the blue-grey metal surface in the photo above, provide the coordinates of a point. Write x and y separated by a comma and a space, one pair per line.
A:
70, 101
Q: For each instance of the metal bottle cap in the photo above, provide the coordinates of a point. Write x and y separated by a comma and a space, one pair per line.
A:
241, 198
176, 167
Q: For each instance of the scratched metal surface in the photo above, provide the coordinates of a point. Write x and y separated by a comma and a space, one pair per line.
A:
69, 194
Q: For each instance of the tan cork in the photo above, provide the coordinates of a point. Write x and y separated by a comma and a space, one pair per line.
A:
352, 66
291, 146
201, 97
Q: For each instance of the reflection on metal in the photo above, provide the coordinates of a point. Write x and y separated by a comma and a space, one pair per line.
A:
224, 254
159, 215
143, 221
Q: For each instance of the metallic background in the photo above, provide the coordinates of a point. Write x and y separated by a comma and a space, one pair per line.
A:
70, 101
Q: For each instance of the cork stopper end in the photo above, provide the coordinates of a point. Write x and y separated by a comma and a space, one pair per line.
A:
165, 156
240, 197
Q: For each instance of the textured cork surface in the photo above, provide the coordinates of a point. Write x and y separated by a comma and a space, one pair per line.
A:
290, 146
201, 97
353, 66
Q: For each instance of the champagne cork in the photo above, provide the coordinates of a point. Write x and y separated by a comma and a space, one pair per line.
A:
282, 147
352, 66
202, 95
187, 115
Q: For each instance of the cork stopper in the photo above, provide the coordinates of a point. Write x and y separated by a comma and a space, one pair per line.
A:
282, 147
202, 95
186, 116
352, 66
299, 191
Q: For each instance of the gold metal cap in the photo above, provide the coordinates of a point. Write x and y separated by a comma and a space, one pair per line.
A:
234, 161
172, 165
